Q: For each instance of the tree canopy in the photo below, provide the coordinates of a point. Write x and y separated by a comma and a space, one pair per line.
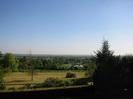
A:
10, 62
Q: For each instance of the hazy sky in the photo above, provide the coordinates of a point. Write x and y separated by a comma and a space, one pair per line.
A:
65, 26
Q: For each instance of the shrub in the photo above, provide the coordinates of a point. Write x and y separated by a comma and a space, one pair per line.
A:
52, 82
67, 82
2, 85
70, 75
55, 82
80, 81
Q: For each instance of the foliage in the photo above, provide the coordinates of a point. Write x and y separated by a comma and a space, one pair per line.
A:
103, 55
113, 73
2, 86
70, 75
52, 82
23, 63
55, 82
11, 62
81, 81
56, 62
90, 70
103, 73
0, 54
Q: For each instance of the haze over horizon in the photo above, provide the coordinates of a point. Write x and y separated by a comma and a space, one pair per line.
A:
74, 27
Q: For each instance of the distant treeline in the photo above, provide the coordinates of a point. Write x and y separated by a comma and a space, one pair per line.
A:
42, 62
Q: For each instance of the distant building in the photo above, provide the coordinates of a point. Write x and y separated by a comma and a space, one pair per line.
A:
78, 66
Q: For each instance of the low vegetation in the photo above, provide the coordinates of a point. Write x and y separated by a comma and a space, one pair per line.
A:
55, 82
70, 75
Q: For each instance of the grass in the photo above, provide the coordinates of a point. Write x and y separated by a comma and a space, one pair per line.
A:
39, 77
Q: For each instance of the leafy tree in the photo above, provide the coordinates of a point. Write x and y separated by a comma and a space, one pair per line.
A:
38, 64
10, 62
23, 63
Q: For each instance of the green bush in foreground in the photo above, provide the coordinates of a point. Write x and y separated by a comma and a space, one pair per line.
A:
52, 82
55, 82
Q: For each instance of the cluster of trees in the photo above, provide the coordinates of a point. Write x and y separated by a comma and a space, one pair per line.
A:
9, 62
113, 74
56, 62
22, 63
13, 63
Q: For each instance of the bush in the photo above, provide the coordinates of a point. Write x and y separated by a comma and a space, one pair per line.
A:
67, 82
70, 75
80, 81
52, 82
55, 82
2, 85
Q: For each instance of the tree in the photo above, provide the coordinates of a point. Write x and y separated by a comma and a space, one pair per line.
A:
10, 62
114, 74
105, 74
126, 63
103, 55
2, 85
0, 58
0, 54
23, 63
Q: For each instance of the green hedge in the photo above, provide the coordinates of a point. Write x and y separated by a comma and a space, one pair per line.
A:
55, 82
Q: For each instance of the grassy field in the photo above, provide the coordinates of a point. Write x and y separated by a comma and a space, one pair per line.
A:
39, 77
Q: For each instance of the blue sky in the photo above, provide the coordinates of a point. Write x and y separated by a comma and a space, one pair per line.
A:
65, 26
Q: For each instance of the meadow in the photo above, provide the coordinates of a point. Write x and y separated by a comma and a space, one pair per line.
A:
19, 79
